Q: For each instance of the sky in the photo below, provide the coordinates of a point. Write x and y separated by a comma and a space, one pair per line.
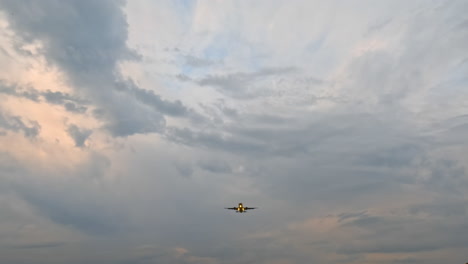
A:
126, 127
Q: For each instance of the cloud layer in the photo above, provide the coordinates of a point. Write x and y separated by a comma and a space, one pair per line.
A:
127, 127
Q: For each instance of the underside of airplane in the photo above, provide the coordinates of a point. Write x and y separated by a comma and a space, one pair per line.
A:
240, 208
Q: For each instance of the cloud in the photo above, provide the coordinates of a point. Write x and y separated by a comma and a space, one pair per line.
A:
144, 254
149, 98
84, 216
444, 176
236, 84
30, 128
71, 201
78, 135
211, 140
338, 120
72, 107
197, 62
442, 208
396, 156
14, 90
71, 103
125, 122
392, 234
59, 97
86, 40
184, 169
215, 166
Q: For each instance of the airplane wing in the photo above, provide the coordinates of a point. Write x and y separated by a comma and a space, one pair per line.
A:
250, 208
231, 208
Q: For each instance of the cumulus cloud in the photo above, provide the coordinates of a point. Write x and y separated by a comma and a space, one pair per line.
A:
89, 55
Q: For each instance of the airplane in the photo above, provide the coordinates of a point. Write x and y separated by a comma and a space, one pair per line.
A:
240, 208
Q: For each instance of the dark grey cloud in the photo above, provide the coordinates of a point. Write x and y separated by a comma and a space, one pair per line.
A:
60, 98
14, 90
16, 124
69, 102
72, 107
149, 98
78, 135
86, 40
128, 121
83, 37
215, 166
